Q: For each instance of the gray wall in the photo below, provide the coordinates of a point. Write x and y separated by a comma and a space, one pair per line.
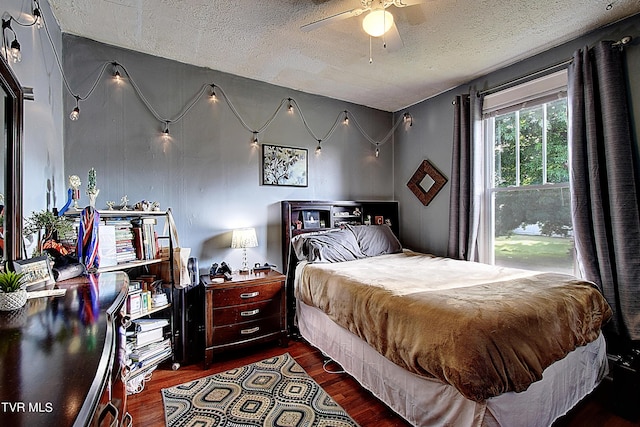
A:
426, 228
43, 181
208, 173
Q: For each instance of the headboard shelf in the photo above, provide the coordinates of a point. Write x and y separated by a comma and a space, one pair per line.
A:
305, 216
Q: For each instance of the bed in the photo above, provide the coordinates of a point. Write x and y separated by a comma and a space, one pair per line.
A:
447, 342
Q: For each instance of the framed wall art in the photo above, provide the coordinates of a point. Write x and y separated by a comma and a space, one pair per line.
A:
36, 270
284, 166
416, 183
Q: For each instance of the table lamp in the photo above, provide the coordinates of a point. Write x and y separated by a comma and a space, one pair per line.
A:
243, 238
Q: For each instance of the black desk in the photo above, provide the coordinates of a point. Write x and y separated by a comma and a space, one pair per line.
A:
58, 355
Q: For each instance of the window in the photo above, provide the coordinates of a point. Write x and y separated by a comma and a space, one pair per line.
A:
527, 201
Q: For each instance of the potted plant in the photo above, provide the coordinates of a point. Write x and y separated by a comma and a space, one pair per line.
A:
48, 226
12, 295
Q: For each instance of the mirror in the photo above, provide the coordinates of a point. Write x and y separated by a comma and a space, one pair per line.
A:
11, 161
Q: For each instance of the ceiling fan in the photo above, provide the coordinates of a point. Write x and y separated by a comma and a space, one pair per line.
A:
378, 22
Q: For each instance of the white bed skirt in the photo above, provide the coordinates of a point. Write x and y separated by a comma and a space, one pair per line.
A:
427, 402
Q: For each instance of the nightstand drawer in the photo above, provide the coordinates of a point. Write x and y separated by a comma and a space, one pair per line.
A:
246, 330
245, 294
245, 312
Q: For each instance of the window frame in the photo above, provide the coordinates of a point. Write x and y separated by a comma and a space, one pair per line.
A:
513, 99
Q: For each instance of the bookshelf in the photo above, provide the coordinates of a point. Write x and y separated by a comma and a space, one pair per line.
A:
130, 241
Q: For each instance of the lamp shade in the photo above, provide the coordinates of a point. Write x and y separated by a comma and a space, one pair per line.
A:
244, 238
377, 22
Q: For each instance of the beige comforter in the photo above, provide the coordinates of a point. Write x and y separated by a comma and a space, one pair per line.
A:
485, 330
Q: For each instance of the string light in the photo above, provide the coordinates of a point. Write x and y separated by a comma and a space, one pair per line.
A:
213, 96
14, 47
75, 113
116, 73
119, 71
318, 148
15, 51
165, 132
37, 15
377, 150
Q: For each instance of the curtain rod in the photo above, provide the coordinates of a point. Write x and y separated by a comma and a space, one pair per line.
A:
621, 43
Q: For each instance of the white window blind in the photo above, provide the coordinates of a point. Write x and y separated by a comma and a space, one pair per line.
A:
534, 92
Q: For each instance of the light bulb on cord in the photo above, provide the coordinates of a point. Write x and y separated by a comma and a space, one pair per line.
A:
318, 148
75, 113
346, 118
165, 132
37, 15
15, 51
377, 151
254, 141
214, 98
290, 108
408, 118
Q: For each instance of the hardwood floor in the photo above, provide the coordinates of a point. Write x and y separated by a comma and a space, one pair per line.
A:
147, 409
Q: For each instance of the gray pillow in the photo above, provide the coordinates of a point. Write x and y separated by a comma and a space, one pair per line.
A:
376, 240
333, 246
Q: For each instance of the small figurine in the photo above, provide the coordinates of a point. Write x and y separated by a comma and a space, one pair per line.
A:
111, 204
74, 183
124, 200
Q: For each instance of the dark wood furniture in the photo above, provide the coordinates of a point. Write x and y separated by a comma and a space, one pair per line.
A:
247, 310
59, 356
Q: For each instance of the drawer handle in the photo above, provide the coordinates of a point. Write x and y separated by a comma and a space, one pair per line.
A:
250, 312
250, 331
249, 295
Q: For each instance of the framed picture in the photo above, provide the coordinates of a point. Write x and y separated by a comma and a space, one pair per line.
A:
36, 270
311, 219
284, 166
436, 182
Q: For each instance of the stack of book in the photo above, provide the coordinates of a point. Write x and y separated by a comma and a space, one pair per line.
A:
125, 251
146, 344
145, 238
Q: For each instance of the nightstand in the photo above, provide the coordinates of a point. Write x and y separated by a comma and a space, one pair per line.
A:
246, 310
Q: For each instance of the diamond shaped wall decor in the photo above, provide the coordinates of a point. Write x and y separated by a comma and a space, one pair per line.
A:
415, 183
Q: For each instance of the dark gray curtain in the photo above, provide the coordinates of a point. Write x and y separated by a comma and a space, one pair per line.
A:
605, 211
466, 178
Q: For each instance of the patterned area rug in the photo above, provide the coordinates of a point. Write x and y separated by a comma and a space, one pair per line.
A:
273, 392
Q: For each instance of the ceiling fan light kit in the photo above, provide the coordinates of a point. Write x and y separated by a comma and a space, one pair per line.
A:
377, 22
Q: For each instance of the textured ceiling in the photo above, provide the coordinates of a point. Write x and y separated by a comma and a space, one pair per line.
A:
446, 42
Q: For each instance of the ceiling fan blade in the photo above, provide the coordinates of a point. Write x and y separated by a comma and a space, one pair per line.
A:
334, 18
392, 39
404, 3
